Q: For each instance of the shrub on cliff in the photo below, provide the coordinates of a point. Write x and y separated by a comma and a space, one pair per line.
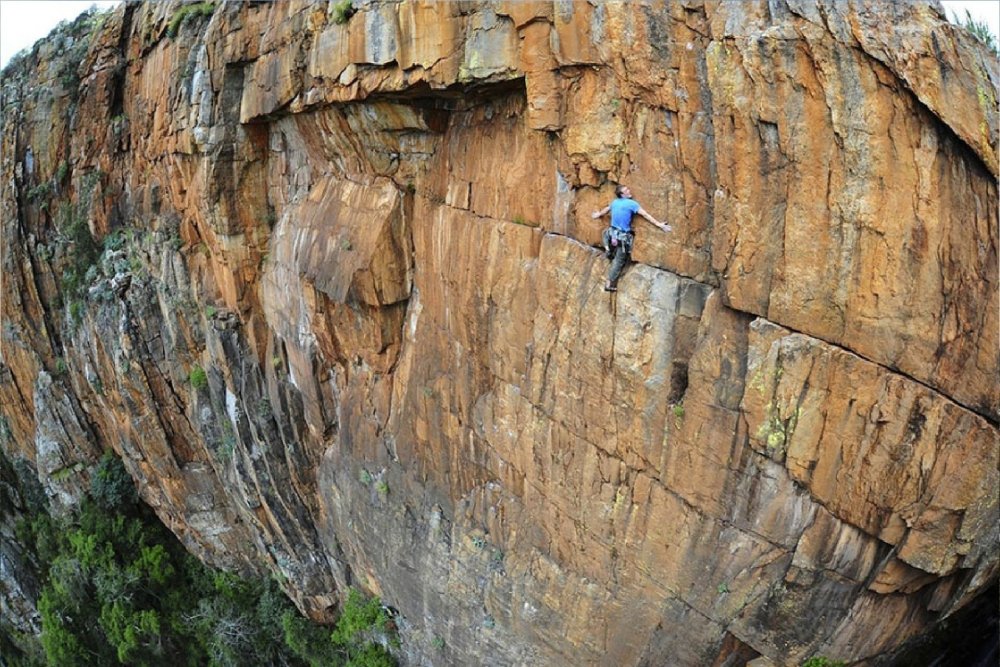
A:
342, 11
120, 589
187, 12
823, 661
111, 487
979, 29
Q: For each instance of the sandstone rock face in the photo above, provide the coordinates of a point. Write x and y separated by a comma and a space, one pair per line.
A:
347, 324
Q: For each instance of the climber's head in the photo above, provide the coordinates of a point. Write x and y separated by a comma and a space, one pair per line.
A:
623, 191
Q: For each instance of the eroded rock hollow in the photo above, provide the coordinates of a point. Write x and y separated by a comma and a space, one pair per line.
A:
345, 322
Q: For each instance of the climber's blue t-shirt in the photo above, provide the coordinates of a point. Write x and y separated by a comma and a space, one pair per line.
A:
622, 210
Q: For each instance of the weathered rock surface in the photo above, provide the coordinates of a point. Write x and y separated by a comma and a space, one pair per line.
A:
779, 438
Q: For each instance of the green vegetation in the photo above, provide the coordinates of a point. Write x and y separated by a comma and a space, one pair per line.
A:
820, 661
39, 192
5, 431
76, 38
82, 251
111, 486
365, 477
979, 29
186, 13
382, 488
118, 588
343, 11
198, 378
679, 411
76, 311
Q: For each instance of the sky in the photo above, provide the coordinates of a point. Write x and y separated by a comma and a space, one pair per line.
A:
22, 22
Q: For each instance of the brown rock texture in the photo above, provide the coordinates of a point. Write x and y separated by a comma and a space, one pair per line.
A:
345, 322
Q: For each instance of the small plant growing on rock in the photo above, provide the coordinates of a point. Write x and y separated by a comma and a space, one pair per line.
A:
979, 29
198, 378
438, 642
186, 12
75, 311
823, 661
679, 410
111, 486
365, 477
41, 191
343, 11
382, 488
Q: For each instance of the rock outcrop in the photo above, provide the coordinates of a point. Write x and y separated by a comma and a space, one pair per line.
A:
346, 323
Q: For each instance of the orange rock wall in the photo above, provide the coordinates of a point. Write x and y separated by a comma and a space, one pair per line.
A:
780, 437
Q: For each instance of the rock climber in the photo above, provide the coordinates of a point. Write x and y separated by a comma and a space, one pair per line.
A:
619, 235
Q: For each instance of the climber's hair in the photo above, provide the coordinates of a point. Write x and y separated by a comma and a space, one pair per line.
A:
619, 189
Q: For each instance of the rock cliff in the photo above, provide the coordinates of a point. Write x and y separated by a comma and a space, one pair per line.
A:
330, 286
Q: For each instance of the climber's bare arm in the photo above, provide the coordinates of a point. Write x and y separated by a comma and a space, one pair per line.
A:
664, 227
603, 211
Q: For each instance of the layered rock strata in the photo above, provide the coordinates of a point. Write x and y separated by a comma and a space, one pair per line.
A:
347, 324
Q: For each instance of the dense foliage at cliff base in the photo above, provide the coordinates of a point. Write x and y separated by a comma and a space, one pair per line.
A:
119, 588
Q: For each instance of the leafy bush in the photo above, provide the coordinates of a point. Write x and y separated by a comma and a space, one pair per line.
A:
39, 192
343, 11
120, 589
198, 378
111, 486
979, 29
360, 619
187, 12
83, 250
822, 661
